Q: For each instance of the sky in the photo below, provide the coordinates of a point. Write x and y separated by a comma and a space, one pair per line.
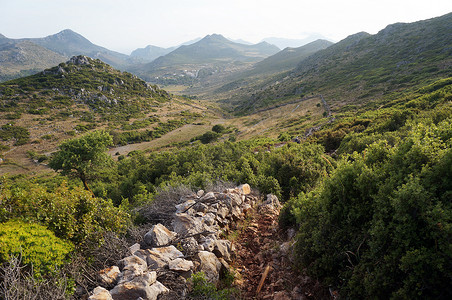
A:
124, 25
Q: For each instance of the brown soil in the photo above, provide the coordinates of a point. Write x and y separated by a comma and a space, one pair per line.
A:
263, 245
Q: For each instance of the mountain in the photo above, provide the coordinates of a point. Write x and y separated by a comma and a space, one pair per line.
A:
85, 81
213, 54
283, 43
288, 58
69, 43
23, 58
365, 67
150, 53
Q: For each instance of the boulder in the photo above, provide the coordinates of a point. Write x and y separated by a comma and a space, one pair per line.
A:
180, 264
109, 276
244, 189
210, 265
159, 235
200, 193
201, 207
132, 261
157, 258
223, 249
209, 219
209, 197
184, 224
134, 248
182, 207
222, 211
100, 293
145, 287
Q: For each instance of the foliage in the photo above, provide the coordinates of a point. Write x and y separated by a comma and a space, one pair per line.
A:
39, 248
11, 131
82, 156
381, 225
202, 289
72, 214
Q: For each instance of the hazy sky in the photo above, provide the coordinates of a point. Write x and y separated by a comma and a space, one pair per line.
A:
124, 25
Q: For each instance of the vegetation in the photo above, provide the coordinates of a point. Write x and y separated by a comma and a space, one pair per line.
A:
83, 156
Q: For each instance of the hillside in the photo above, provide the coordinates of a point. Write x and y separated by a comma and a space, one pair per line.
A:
238, 87
149, 53
213, 54
18, 59
365, 67
39, 111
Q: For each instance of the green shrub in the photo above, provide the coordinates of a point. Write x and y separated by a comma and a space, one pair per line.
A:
38, 247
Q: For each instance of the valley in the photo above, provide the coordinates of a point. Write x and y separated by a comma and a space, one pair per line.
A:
348, 145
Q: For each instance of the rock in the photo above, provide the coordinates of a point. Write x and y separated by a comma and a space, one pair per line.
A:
236, 213
201, 207
139, 287
181, 208
246, 208
200, 193
223, 249
180, 264
159, 235
169, 252
210, 265
236, 200
209, 197
222, 211
109, 276
272, 203
134, 248
190, 245
100, 293
184, 224
155, 260
132, 261
209, 219
209, 243
244, 189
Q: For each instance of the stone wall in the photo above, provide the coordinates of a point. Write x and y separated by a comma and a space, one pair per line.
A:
166, 259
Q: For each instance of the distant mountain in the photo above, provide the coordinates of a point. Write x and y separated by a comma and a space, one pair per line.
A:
288, 58
366, 67
215, 47
283, 43
23, 58
210, 55
150, 53
69, 43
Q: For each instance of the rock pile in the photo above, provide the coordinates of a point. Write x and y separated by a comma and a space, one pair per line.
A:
167, 258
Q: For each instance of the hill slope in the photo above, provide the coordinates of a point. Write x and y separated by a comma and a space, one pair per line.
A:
69, 43
214, 53
22, 58
363, 67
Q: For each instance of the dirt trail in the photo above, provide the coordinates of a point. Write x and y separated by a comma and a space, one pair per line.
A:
263, 245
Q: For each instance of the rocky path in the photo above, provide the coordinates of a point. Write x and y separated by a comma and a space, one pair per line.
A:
264, 260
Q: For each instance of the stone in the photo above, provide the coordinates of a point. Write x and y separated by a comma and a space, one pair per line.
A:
134, 248
223, 249
236, 213
131, 267
235, 200
209, 197
100, 293
180, 264
201, 207
138, 288
244, 189
209, 244
132, 261
209, 219
200, 193
109, 276
184, 224
222, 211
210, 265
159, 235
183, 207
154, 260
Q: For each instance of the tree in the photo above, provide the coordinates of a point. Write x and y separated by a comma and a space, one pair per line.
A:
82, 157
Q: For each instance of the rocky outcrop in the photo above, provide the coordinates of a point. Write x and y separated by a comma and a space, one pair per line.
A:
168, 257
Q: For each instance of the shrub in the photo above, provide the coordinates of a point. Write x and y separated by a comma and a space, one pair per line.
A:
39, 248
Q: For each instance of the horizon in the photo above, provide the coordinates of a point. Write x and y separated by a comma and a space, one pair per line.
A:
123, 26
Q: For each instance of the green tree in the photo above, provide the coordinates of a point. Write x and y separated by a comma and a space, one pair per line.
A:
83, 157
